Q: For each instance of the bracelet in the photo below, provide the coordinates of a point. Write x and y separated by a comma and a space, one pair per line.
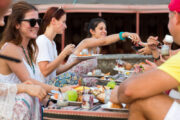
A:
120, 36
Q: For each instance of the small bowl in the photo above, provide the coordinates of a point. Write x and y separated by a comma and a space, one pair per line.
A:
62, 103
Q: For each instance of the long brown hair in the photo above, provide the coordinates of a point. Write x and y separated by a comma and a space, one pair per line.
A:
11, 34
52, 12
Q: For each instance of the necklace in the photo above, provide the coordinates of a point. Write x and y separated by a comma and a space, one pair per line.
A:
31, 65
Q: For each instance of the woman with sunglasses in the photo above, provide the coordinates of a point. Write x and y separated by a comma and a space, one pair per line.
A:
8, 92
19, 42
49, 62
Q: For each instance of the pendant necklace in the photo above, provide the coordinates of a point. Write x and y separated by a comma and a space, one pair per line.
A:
31, 65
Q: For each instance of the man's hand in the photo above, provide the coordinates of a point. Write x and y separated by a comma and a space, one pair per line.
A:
150, 65
152, 42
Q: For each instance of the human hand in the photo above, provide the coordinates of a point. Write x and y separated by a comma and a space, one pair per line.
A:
36, 91
145, 51
68, 49
164, 58
149, 65
68, 87
152, 42
133, 36
114, 95
28, 82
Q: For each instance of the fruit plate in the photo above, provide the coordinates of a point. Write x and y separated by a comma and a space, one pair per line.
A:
106, 107
87, 57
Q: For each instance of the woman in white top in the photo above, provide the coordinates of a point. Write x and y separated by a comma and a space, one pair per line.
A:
19, 42
8, 91
50, 64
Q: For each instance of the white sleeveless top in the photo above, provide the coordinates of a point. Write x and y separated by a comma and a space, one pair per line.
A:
12, 78
9, 91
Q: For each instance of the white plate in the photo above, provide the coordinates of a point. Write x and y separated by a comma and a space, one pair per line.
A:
106, 107
87, 57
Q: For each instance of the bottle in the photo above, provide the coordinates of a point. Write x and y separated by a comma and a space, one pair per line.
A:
164, 50
86, 100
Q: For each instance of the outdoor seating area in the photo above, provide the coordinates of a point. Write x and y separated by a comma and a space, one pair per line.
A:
89, 60
78, 113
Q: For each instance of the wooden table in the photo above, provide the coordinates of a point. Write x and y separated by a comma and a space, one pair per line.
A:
78, 113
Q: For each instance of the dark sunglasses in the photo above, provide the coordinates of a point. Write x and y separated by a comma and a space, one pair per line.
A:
32, 22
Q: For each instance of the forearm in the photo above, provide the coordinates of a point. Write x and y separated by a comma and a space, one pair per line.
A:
65, 67
51, 66
91, 42
47, 87
145, 85
123, 95
20, 88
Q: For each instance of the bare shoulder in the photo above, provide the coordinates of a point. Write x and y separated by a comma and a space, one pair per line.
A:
86, 40
11, 49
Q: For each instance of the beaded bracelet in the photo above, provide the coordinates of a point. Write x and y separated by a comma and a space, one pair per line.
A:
120, 36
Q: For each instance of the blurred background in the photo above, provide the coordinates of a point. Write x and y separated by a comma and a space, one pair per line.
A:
145, 17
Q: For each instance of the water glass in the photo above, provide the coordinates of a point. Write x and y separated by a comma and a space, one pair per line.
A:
107, 95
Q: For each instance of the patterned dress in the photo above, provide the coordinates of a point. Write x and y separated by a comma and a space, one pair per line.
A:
17, 106
75, 74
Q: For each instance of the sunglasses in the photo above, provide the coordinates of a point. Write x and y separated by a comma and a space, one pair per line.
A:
32, 22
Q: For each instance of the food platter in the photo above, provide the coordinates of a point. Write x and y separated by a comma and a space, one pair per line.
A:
75, 102
106, 107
